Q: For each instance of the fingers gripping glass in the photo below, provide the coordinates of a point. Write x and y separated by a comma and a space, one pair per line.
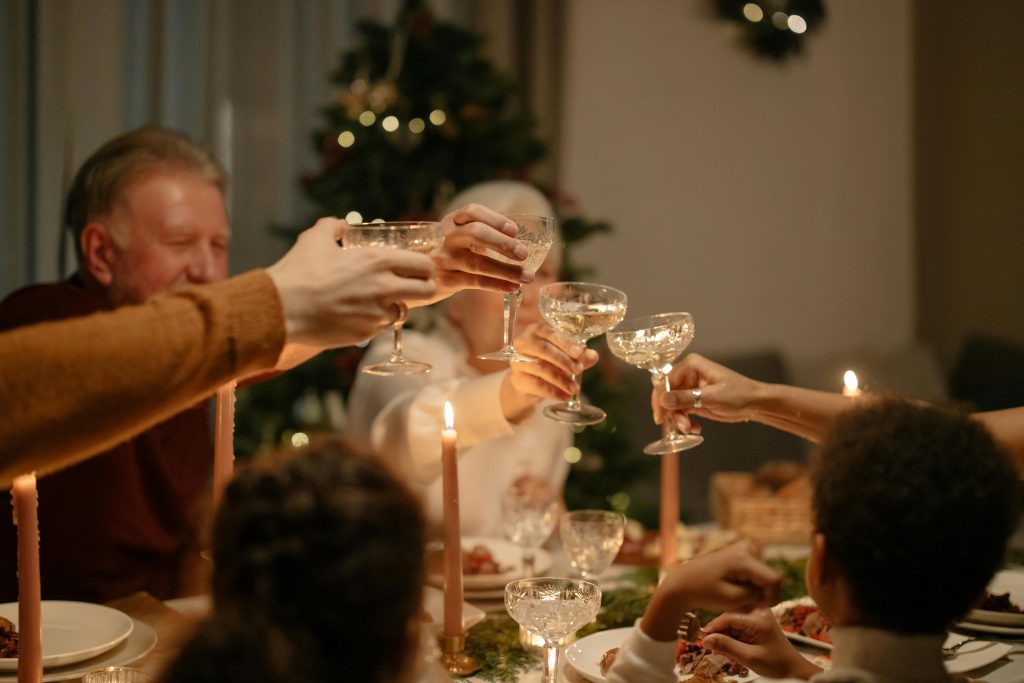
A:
536, 233
422, 237
582, 310
653, 343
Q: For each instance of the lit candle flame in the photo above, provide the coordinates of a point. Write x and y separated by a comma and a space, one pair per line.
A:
850, 380
449, 416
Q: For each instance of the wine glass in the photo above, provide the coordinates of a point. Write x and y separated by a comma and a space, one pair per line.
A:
583, 310
422, 237
552, 608
592, 539
536, 233
652, 343
529, 511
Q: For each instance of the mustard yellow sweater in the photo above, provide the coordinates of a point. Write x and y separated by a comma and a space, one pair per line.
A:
73, 388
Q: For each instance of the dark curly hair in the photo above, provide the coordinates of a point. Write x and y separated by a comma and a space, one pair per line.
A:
916, 504
318, 568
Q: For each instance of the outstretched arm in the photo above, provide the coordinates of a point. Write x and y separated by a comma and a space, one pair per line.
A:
727, 396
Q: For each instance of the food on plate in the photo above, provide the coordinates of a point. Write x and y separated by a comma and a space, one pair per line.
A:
8, 638
703, 667
698, 663
607, 660
806, 620
480, 562
998, 602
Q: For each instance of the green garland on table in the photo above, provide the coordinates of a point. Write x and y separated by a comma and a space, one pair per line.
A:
495, 644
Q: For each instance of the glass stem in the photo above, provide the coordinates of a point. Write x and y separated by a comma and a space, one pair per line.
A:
511, 309
574, 402
396, 354
529, 562
660, 379
550, 660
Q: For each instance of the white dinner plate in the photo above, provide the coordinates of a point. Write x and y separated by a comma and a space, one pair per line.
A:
975, 654
585, 654
139, 644
780, 608
1008, 631
1011, 582
433, 605
72, 631
508, 556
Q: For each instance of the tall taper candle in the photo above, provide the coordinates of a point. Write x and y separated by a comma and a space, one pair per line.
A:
669, 509
30, 623
452, 532
224, 441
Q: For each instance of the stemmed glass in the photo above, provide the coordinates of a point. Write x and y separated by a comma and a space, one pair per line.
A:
552, 608
536, 233
422, 237
652, 343
583, 310
529, 511
592, 539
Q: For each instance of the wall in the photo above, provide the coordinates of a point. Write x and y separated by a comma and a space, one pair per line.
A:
970, 171
774, 202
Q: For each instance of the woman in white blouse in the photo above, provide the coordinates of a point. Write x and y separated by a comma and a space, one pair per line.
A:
503, 437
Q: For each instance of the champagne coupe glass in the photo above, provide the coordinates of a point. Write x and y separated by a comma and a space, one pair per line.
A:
652, 343
552, 608
592, 539
583, 310
529, 511
536, 233
422, 237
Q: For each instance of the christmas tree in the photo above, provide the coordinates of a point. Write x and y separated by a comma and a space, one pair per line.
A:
421, 114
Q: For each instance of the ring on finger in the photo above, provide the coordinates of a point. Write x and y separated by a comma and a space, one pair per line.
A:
698, 395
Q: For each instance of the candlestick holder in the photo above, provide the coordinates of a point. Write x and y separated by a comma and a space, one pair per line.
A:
454, 658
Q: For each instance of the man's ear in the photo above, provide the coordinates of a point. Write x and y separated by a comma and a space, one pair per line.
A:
97, 252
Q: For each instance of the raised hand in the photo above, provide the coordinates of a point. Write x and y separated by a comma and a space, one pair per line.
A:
337, 297
559, 357
463, 262
725, 395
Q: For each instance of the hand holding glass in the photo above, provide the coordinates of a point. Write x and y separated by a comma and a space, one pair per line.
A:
592, 539
552, 609
536, 233
653, 343
422, 237
582, 310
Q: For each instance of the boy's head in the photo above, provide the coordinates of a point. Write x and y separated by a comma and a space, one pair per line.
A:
318, 561
915, 504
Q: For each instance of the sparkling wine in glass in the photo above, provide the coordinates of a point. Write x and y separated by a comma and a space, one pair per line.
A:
582, 310
592, 539
422, 237
552, 608
536, 233
529, 512
653, 343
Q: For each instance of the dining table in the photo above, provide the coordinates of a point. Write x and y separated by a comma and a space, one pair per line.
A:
173, 621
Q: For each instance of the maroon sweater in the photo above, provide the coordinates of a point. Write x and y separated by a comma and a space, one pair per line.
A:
126, 519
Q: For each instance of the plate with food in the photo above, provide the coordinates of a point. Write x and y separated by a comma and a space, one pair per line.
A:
72, 632
592, 656
487, 564
803, 622
136, 646
1001, 605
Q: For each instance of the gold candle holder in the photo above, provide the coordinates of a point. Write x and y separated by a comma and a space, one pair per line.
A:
454, 659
